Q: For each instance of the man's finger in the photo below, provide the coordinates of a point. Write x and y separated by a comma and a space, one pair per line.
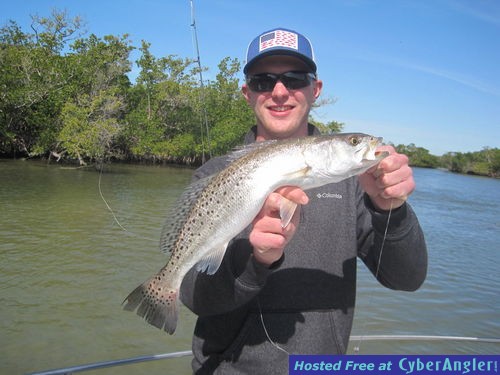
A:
293, 193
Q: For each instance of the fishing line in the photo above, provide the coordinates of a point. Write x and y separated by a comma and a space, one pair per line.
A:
113, 213
356, 348
265, 330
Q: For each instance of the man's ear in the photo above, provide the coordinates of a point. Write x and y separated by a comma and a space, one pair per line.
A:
318, 86
244, 91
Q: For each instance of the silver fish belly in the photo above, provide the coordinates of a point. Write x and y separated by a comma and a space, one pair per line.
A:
212, 211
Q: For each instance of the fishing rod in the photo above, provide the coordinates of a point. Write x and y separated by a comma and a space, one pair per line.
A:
423, 338
118, 362
202, 87
155, 357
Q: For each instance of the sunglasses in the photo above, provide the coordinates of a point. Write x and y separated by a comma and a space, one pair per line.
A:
265, 82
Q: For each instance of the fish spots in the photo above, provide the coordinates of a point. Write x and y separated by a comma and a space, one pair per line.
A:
207, 214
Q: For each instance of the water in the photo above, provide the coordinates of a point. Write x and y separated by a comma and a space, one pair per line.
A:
460, 297
66, 267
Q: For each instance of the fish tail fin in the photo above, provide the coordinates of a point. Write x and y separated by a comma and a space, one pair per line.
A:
156, 302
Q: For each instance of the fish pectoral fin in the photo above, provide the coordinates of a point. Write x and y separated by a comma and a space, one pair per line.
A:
212, 261
299, 173
287, 209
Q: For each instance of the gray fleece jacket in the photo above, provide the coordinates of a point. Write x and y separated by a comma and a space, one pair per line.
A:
305, 302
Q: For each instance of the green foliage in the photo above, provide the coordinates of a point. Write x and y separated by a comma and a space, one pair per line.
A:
419, 156
38, 81
328, 128
80, 105
485, 162
180, 148
32, 81
227, 110
160, 110
90, 127
169, 113
54, 32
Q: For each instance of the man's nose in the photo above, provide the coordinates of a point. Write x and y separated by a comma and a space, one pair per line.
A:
280, 89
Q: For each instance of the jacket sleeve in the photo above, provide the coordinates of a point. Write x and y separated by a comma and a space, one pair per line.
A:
239, 278
399, 261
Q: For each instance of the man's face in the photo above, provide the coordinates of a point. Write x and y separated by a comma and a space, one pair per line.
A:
281, 113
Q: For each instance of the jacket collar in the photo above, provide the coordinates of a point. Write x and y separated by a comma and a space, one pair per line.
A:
252, 133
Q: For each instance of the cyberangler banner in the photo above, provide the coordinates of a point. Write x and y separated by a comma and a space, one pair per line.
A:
394, 364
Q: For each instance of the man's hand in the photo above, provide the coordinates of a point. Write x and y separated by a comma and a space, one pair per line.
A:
389, 183
268, 237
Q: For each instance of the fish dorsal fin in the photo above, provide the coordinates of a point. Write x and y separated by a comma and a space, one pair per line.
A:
244, 150
212, 261
179, 212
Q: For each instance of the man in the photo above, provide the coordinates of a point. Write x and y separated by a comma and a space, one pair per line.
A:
291, 290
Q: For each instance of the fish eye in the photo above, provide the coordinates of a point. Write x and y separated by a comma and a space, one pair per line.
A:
354, 141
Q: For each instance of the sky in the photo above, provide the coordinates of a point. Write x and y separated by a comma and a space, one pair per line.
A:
411, 71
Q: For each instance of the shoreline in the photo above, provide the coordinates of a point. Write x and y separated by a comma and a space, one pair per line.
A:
193, 165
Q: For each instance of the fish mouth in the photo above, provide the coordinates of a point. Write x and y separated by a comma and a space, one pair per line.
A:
381, 154
372, 153
375, 142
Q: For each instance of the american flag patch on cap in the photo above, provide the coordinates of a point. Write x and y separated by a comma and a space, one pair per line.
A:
279, 38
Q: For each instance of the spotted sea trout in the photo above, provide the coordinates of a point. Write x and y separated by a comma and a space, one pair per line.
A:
213, 210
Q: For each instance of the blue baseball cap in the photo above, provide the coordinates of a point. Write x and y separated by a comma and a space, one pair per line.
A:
280, 41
